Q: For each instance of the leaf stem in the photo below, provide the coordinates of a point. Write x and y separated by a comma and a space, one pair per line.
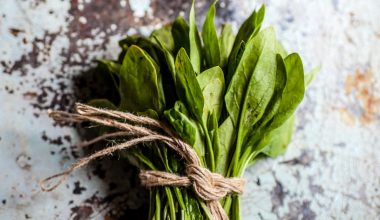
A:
211, 159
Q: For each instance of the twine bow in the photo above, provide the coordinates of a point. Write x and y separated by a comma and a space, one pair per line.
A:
208, 186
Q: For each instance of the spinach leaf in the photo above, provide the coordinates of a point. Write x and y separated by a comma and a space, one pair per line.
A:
279, 138
180, 33
210, 39
252, 85
186, 128
195, 42
211, 82
138, 71
311, 75
187, 86
227, 137
226, 41
164, 35
247, 31
251, 26
294, 89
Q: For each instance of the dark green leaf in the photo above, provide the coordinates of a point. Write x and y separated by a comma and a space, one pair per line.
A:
140, 82
187, 86
195, 42
102, 103
180, 32
185, 127
210, 39
294, 89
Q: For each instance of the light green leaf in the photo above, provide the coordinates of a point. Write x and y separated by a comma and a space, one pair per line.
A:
227, 136
164, 35
211, 82
311, 75
280, 138
226, 41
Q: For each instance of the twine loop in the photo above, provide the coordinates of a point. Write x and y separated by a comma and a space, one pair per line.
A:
208, 186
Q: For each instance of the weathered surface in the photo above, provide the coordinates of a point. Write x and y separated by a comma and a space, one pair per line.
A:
332, 167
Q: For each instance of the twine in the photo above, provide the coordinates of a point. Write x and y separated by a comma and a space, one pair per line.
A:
208, 186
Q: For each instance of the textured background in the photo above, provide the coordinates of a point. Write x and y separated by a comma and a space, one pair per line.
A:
332, 167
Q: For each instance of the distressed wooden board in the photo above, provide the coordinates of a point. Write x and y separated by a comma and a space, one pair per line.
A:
332, 167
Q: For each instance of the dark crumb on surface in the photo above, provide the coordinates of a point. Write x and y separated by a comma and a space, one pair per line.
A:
4, 201
258, 182
67, 138
56, 141
27, 216
78, 189
15, 32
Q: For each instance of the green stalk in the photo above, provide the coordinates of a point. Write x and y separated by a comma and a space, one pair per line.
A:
209, 148
169, 195
158, 206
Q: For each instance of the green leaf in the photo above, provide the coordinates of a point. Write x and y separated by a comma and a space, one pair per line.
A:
187, 86
210, 39
280, 138
253, 82
226, 140
233, 61
185, 127
250, 27
311, 75
263, 126
140, 82
211, 82
112, 66
164, 35
168, 57
294, 89
226, 41
195, 42
180, 32
251, 87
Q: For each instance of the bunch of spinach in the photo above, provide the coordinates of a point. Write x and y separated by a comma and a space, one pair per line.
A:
231, 97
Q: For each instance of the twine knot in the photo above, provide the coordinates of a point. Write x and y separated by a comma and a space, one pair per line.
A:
208, 186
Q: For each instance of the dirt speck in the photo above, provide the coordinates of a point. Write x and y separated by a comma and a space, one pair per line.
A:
78, 189
15, 31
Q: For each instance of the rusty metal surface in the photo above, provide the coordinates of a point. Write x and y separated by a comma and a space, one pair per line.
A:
332, 167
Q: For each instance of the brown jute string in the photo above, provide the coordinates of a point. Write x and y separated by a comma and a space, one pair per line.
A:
208, 186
